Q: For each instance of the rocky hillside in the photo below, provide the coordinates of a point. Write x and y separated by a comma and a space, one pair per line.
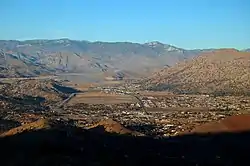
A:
21, 65
225, 71
53, 56
32, 95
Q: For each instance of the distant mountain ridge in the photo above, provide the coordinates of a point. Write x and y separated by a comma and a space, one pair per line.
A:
65, 55
246, 50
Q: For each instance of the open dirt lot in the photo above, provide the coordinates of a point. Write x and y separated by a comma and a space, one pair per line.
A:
101, 98
86, 86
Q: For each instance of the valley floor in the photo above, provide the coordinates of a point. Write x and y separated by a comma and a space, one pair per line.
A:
114, 108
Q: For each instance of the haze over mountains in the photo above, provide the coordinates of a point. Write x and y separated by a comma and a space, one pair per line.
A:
247, 50
45, 56
105, 59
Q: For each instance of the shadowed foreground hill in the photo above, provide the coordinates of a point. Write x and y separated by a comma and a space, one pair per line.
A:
219, 72
65, 145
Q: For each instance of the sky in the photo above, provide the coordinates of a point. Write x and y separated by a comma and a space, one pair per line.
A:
184, 23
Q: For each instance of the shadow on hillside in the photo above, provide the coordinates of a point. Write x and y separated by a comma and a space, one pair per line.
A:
25, 100
64, 89
148, 129
73, 146
25, 103
6, 124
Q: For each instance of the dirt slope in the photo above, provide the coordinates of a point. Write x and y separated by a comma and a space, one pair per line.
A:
112, 126
40, 124
221, 71
239, 123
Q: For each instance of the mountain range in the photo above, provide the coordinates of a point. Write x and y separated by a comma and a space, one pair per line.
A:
106, 59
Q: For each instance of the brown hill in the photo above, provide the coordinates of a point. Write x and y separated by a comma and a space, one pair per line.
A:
35, 88
32, 94
40, 124
219, 72
239, 123
112, 126
67, 145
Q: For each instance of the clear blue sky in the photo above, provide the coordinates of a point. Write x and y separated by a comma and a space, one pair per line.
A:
184, 23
